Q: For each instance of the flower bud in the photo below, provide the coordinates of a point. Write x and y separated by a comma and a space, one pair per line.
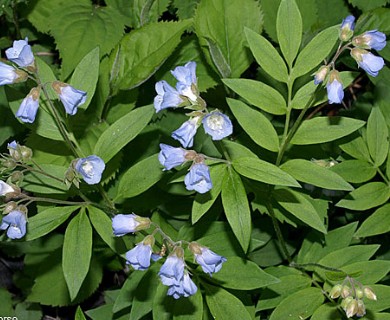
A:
335, 292
10, 206
17, 177
321, 74
359, 293
361, 309
347, 28
345, 291
26, 153
369, 293
22, 208
345, 302
351, 308
8, 163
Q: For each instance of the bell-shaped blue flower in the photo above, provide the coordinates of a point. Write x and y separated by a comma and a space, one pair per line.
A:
217, 125
207, 259
5, 188
139, 256
347, 28
185, 134
367, 61
128, 223
15, 222
29, 107
185, 288
20, 53
10, 75
198, 178
171, 157
372, 39
172, 271
187, 82
70, 97
167, 96
91, 168
334, 88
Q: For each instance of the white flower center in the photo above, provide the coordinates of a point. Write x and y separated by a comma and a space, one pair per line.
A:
88, 168
215, 122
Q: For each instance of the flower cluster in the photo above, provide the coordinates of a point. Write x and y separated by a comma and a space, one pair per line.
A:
24, 67
352, 293
174, 272
358, 46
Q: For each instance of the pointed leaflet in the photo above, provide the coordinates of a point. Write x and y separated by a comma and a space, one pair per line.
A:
77, 251
267, 56
103, 225
235, 203
355, 171
142, 51
376, 223
255, 124
289, 29
219, 25
377, 136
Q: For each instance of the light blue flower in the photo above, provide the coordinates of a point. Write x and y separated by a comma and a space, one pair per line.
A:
187, 83
321, 74
372, 39
185, 288
217, 125
91, 168
167, 96
29, 107
348, 23
8, 74
139, 256
12, 145
334, 88
124, 223
5, 188
209, 261
185, 134
70, 97
20, 53
15, 222
198, 178
172, 271
367, 61
171, 157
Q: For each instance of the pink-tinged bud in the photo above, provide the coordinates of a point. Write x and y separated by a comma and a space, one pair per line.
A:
345, 292
369, 293
335, 292
361, 309
352, 308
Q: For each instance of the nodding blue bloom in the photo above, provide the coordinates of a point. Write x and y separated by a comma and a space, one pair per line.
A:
70, 97
367, 61
167, 96
5, 188
171, 157
124, 223
207, 259
185, 134
187, 83
185, 288
20, 53
347, 28
139, 256
334, 88
29, 107
217, 125
172, 271
372, 39
198, 178
12, 145
10, 75
15, 222
321, 74
91, 168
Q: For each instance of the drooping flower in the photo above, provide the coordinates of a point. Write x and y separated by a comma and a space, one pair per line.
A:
207, 259
187, 82
10, 75
217, 125
185, 134
198, 178
15, 222
128, 223
29, 107
367, 61
5, 188
171, 157
172, 271
20, 53
91, 168
167, 96
334, 88
70, 97
321, 74
185, 288
347, 28
372, 39
139, 256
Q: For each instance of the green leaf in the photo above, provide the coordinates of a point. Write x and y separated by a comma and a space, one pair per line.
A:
223, 305
86, 75
258, 94
255, 124
289, 29
376, 223
382, 303
40, 12
300, 207
316, 51
309, 172
76, 261
80, 26
236, 207
367, 196
121, 132
368, 272
103, 225
263, 171
79, 314
357, 148
219, 25
127, 291
299, 305
327, 312
324, 129
6, 302
355, 171
140, 177
247, 275
368, 5
131, 69
203, 202
377, 136
47, 220
267, 56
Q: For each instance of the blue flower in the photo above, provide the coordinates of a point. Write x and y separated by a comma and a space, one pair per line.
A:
166, 96
124, 223
217, 125
186, 77
10, 75
198, 178
334, 88
367, 61
70, 97
372, 39
12, 145
171, 157
185, 288
29, 107
16, 222
185, 134
321, 74
172, 271
207, 259
20, 53
139, 256
91, 168
5, 188
347, 28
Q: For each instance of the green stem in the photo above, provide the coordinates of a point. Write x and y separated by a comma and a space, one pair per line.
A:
224, 151
106, 197
56, 201
28, 168
317, 265
378, 170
